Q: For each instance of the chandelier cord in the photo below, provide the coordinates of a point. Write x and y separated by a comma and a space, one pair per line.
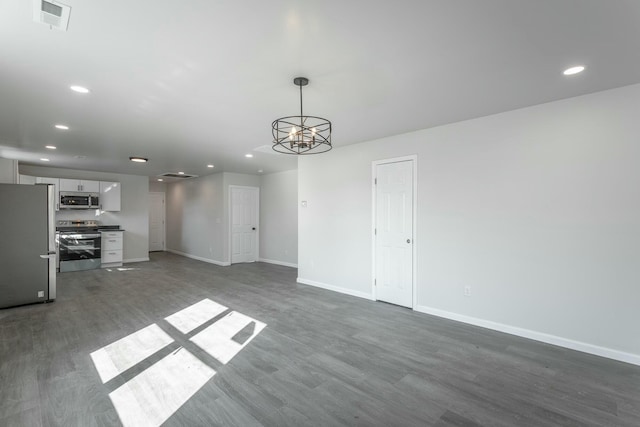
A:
301, 115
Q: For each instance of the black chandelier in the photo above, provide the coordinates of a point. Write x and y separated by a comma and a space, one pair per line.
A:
301, 134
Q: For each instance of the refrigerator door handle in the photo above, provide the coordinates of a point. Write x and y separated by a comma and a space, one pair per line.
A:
51, 256
51, 219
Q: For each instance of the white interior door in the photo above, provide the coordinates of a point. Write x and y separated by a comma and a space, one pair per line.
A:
394, 199
156, 221
244, 223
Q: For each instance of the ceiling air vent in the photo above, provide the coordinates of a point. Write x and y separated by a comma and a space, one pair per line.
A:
51, 13
176, 175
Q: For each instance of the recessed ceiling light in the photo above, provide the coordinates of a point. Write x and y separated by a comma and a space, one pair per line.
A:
45, 160
50, 147
139, 159
62, 127
79, 89
573, 70
209, 166
248, 155
259, 170
160, 179
180, 173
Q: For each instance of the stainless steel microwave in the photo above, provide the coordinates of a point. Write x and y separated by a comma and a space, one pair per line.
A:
74, 200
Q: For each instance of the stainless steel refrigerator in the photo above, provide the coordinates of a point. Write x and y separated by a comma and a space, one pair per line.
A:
27, 244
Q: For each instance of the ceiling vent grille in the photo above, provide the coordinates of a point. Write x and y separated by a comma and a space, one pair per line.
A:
51, 13
176, 175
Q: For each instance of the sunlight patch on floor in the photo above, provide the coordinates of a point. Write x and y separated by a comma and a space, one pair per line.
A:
117, 357
217, 339
153, 396
188, 319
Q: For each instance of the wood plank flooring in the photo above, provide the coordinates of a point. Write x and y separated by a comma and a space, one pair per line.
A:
323, 359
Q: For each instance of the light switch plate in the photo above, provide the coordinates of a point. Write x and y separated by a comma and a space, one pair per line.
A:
40, 294
303, 203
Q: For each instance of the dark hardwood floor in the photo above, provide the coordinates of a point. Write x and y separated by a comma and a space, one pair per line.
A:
323, 359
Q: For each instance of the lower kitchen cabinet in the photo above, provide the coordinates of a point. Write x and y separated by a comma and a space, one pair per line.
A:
111, 251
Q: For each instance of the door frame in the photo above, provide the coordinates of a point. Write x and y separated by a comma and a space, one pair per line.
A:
374, 164
230, 216
164, 219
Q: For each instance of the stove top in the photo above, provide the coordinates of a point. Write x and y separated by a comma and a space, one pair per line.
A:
83, 225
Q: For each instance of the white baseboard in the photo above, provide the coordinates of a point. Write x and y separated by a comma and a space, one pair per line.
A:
621, 356
199, 258
272, 261
135, 260
347, 291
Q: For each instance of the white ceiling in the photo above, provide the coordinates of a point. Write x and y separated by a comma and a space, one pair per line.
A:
186, 83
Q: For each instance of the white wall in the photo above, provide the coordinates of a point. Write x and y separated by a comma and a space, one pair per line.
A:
537, 210
8, 171
133, 216
198, 215
195, 218
157, 187
279, 218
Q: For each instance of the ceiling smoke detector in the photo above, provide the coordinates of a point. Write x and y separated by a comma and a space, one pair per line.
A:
51, 13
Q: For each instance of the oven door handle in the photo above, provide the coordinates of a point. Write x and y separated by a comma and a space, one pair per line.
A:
79, 236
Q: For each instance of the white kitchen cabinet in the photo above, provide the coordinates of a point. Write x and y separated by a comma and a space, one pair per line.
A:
70, 184
110, 196
90, 186
26, 179
82, 185
56, 187
112, 247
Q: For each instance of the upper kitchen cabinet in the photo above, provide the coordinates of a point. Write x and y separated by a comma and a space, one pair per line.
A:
79, 185
110, 196
70, 185
26, 179
56, 187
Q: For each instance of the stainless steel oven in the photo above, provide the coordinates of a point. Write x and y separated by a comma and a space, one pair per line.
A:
79, 250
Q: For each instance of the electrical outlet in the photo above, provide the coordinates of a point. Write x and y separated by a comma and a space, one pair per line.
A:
40, 294
467, 291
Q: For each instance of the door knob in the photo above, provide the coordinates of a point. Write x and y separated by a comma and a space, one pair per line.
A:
408, 240
253, 228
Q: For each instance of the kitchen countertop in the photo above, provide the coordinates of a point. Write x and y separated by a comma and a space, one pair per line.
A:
109, 228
